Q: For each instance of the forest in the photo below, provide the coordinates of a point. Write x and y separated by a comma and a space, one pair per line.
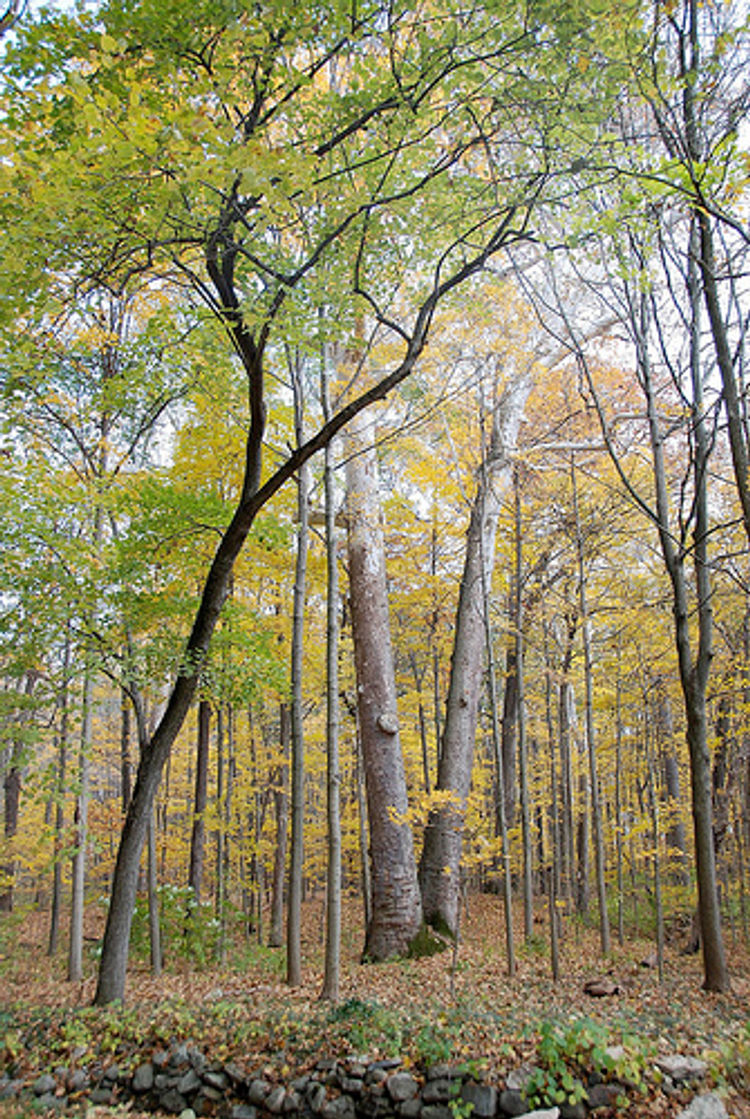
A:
375, 449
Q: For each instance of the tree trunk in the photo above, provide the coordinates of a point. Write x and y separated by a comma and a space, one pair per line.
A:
62, 759
333, 775
439, 868
200, 801
126, 780
510, 717
294, 915
528, 893
396, 908
75, 954
677, 860
693, 671
596, 813
281, 804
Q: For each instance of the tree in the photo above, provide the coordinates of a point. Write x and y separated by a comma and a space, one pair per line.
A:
259, 188
396, 913
440, 864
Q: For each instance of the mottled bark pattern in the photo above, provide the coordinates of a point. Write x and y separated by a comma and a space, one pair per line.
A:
396, 909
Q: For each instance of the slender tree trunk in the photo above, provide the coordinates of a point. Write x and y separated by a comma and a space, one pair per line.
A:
281, 804
333, 775
596, 812
154, 925
566, 710
126, 782
528, 893
62, 760
12, 794
75, 955
509, 724
677, 859
439, 867
396, 908
618, 814
500, 807
200, 801
294, 914
693, 671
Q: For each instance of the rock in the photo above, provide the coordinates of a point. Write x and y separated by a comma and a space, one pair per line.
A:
601, 987
356, 1068
102, 1095
681, 1068
442, 1071
172, 1101
45, 1085
518, 1078
437, 1091
706, 1106
436, 1111
9, 1089
50, 1102
188, 1083
409, 1109
234, 1072
482, 1096
275, 1100
401, 1086
77, 1080
179, 1055
316, 1096
376, 1074
573, 1110
143, 1078
292, 1102
244, 1111
258, 1091
342, 1107
188, 1113
544, 1113
512, 1102
650, 961
215, 1079
603, 1095
351, 1085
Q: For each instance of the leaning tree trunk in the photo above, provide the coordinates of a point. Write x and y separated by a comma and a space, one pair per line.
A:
440, 865
396, 913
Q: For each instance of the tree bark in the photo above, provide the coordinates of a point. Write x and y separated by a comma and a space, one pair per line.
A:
332, 967
281, 804
75, 953
396, 913
596, 812
200, 801
294, 914
439, 868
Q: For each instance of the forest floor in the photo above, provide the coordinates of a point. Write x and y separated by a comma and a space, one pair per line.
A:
458, 1006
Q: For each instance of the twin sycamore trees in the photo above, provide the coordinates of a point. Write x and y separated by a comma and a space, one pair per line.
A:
325, 178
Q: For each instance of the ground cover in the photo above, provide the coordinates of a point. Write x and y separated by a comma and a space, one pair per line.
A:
457, 1007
